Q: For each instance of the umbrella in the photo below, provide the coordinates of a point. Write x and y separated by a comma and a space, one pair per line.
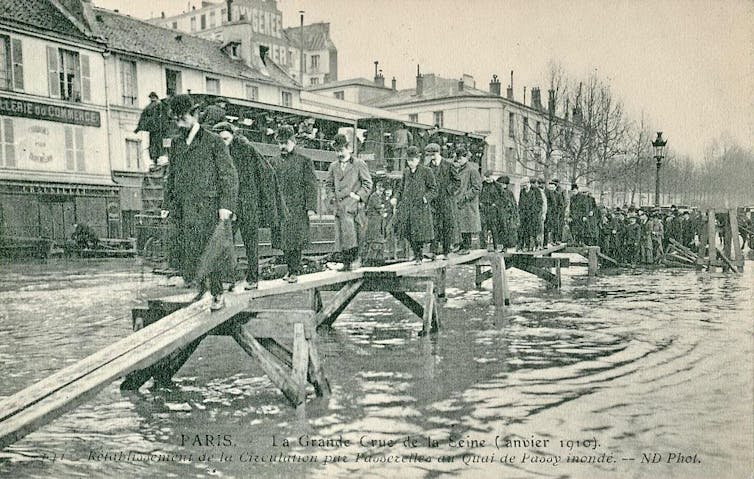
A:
219, 254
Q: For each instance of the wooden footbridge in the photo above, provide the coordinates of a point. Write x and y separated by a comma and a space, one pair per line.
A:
169, 329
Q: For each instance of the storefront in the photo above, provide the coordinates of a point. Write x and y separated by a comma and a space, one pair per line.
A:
54, 171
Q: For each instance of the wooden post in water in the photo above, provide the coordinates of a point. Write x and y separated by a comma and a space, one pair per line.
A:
592, 252
737, 255
711, 240
500, 294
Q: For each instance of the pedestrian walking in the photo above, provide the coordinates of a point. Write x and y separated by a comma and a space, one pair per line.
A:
413, 213
490, 202
443, 205
467, 199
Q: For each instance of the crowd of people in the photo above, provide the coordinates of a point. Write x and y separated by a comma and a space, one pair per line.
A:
439, 204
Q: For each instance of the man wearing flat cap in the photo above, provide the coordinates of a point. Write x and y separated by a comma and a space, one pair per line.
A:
444, 214
348, 185
490, 199
298, 187
201, 188
258, 195
214, 113
155, 120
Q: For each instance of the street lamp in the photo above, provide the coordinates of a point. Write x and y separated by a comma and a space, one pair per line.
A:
659, 146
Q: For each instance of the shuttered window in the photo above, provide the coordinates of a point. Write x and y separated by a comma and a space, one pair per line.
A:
7, 143
128, 82
69, 75
11, 64
74, 149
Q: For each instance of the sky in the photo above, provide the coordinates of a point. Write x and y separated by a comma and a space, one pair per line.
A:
686, 65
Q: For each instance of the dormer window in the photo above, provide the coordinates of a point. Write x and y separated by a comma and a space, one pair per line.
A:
233, 49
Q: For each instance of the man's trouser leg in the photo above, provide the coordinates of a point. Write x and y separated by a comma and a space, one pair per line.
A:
250, 236
293, 260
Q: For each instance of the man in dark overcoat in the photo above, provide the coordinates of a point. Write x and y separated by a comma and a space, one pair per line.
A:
414, 214
467, 199
444, 214
553, 213
298, 187
348, 185
155, 120
509, 215
255, 195
201, 188
490, 201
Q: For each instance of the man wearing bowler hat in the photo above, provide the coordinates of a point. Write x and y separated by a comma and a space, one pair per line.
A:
509, 215
348, 185
298, 188
443, 205
201, 188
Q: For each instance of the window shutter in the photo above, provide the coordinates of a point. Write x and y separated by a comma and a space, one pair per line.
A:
86, 86
69, 159
80, 163
10, 143
17, 58
53, 72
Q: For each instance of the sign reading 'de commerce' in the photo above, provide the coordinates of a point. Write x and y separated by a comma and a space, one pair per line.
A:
41, 111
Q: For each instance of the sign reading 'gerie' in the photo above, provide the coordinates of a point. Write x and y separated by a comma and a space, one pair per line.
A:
43, 111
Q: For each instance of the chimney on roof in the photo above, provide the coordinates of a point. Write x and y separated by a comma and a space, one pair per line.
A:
536, 98
460, 84
419, 82
193, 7
509, 91
394, 85
379, 79
162, 14
495, 86
551, 101
179, 37
524, 102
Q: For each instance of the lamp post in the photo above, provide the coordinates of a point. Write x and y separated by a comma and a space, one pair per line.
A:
659, 145
301, 56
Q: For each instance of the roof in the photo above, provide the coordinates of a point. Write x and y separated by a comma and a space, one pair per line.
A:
316, 36
40, 14
349, 82
434, 88
131, 35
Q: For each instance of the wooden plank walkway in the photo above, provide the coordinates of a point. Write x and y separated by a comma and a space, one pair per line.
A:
179, 324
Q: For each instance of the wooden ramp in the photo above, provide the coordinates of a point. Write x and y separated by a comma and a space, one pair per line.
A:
282, 341
540, 263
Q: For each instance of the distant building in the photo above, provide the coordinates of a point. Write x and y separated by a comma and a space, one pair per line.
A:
255, 28
514, 130
73, 82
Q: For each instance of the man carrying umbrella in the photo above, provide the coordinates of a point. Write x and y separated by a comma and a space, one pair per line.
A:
201, 188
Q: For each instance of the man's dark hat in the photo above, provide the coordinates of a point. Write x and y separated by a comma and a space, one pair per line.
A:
182, 104
153, 95
224, 126
284, 133
220, 100
555, 181
432, 148
532, 181
574, 186
412, 152
487, 172
504, 179
340, 141
461, 152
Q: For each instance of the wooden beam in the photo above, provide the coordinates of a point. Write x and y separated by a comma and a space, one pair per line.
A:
607, 258
300, 360
279, 350
551, 278
315, 299
737, 255
280, 375
316, 374
164, 370
280, 323
337, 304
726, 261
429, 303
550, 250
409, 268
500, 295
409, 302
593, 251
711, 240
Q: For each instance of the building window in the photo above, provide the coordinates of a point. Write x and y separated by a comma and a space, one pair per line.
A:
286, 98
340, 95
128, 82
203, 22
175, 25
314, 62
252, 92
438, 116
510, 160
223, 15
213, 86
193, 24
68, 75
133, 154
7, 144
413, 117
289, 61
314, 81
511, 125
74, 148
11, 64
525, 133
538, 133
172, 82
212, 19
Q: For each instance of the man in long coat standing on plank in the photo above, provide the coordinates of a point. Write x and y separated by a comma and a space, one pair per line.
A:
413, 214
298, 187
201, 188
256, 194
348, 185
444, 215
467, 199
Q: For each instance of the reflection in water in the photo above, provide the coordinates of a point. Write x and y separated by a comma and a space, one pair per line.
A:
643, 362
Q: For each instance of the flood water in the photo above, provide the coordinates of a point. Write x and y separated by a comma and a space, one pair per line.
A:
605, 379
